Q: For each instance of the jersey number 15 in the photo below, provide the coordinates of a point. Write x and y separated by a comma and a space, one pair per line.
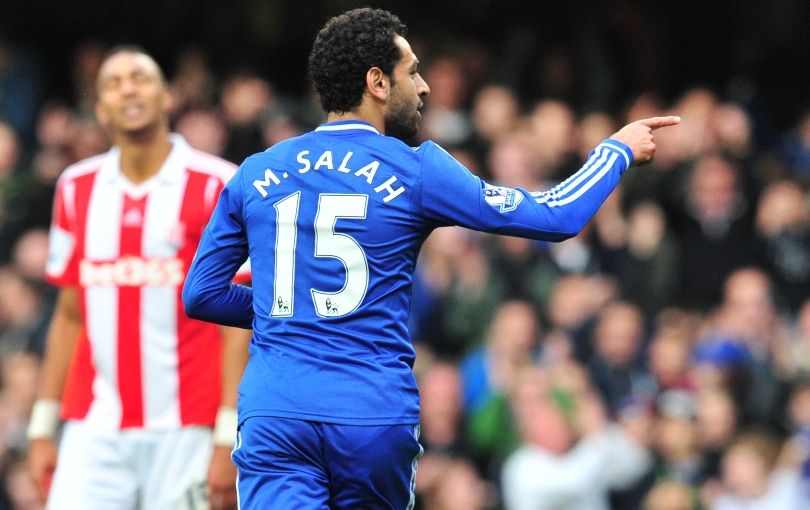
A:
328, 243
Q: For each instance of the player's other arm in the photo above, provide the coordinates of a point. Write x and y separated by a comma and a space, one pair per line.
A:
208, 292
62, 337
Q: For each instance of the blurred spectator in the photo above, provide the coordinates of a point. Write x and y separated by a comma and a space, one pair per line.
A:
574, 302
783, 221
495, 112
616, 366
669, 357
676, 439
591, 129
456, 486
193, 84
87, 57
796, 149
748, 315
55, 125
731, 131
717, 425
511, 342
441, 422
243, 98
445, 120
570, 454
22, 314
204, 129
22, 88
470, 295
488, 377
88, 138
753, 478
647, 263
714, 232
669, 495
794, 355
553, 131
280, 121
512, 162
797, 452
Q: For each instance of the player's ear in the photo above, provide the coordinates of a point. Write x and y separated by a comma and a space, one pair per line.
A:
378, 83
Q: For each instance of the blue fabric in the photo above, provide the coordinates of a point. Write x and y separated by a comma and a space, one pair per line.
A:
285, 464
333, 221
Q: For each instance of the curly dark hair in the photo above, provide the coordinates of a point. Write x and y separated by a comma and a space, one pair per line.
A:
346, 48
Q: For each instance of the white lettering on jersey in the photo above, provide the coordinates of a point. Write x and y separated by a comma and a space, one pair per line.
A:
268, 176
327, 160
132, 272
302, 158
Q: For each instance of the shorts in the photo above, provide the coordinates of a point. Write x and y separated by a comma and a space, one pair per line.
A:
131, 469
285, 464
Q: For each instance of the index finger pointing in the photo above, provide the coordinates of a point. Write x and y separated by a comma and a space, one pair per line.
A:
659, 122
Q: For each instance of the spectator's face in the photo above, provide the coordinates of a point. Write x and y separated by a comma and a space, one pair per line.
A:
744, 472
716, 418
783, 206
9, 149
405, 99
132, 94
495, 111
714, 190
669, 359
440, 390
618, 333
514, 331
675, 438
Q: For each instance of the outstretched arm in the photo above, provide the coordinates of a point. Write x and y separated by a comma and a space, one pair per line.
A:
553, 215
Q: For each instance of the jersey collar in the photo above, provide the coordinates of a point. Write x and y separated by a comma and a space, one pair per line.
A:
173, 169
347, 125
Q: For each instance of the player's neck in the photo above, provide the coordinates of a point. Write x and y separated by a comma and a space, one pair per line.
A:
362, 113
142, 156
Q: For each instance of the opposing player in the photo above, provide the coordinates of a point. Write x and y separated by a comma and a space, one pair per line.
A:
333, 221
146, 383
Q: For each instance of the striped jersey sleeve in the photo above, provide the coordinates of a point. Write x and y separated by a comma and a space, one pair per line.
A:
451, 194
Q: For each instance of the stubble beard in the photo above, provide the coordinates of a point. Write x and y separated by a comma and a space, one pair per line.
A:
402, 121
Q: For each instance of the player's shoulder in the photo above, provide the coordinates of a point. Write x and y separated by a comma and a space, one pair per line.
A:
429, 147
91, 165
209, 164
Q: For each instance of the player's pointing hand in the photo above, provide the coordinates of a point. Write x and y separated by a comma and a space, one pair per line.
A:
638, 136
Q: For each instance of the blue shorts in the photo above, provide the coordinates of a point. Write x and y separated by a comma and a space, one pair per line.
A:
289, 464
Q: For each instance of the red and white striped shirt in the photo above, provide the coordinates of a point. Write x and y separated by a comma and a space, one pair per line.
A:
140, 361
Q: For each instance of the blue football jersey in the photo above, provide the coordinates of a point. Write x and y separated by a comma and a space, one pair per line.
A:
333, 221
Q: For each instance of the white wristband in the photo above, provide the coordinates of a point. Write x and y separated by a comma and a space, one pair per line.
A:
44, 419
225, 427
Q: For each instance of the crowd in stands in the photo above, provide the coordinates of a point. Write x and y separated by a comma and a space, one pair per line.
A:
660, 360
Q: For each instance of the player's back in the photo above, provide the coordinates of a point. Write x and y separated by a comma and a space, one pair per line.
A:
333, 238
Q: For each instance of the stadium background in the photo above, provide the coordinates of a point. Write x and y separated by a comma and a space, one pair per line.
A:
743, 63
